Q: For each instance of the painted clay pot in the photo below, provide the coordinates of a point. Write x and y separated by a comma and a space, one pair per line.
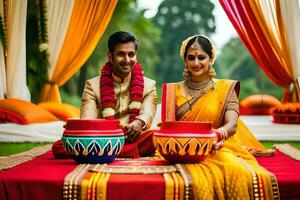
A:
184, 141
93, 141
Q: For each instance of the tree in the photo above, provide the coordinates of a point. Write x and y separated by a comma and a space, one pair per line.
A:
36, 60
178, 20
235, 62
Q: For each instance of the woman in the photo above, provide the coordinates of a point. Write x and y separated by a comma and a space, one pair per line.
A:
230, 172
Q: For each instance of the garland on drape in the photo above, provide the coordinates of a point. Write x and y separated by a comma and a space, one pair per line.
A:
108, 101
3, 35
43, 33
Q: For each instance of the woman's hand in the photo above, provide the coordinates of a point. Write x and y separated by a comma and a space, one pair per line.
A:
133, 130
216, 146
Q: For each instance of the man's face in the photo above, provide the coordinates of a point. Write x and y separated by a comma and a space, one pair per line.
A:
123, 58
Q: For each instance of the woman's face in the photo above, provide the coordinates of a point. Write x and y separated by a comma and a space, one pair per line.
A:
198, 63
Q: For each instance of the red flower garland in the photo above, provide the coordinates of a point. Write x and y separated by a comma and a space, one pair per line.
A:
108, 100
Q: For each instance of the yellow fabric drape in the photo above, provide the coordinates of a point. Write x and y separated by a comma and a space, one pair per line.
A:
88, 22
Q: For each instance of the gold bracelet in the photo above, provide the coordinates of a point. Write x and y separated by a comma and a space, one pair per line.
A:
223, 132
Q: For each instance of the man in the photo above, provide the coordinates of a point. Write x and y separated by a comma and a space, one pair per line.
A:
122, 92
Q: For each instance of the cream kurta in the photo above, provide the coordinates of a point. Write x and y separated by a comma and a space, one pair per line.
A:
91, 101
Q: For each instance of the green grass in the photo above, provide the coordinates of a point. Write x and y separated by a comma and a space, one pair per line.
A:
12, 148
269, 144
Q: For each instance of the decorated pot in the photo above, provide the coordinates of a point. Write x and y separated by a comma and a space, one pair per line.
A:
184, 141
93, 141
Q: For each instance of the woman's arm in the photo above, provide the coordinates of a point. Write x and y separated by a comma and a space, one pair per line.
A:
230, 122
231, 116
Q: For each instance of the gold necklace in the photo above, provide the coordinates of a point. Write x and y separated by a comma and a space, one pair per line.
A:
202, 87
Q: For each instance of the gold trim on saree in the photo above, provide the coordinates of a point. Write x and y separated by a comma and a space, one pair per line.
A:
168, 102
188, 181
258, 185
169, 185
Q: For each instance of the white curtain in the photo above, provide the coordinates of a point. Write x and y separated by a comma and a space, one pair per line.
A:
290, 11
16, 50
269, 11
58, 18
2, 62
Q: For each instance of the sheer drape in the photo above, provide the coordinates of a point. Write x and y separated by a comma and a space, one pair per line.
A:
16, 50
260, 27
290, 12
88, 22
58, 15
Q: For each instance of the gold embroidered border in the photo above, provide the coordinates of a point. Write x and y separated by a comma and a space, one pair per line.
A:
169, 187
255, 180
188, 181
275, 187
72, 182
170, 102
289, 151
136, 169
181, 186
10, 161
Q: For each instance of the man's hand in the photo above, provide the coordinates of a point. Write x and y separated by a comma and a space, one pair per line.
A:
133, 130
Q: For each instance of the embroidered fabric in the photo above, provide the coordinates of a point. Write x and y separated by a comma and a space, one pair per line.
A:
233, 103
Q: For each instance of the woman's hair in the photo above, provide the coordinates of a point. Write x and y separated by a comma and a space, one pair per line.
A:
203, 42
121, 37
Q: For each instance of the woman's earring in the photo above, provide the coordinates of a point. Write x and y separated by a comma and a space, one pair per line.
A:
212, 72
186, 73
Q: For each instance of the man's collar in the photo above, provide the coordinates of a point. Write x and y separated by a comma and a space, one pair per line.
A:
119, 80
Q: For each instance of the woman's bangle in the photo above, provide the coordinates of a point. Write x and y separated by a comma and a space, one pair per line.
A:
223, 133
219, 136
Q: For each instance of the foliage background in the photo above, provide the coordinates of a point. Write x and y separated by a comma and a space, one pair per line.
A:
160, 38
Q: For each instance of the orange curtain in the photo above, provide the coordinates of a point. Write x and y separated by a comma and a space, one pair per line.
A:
266, 46
88, 22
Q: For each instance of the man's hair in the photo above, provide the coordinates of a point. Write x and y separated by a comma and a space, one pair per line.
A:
121, 37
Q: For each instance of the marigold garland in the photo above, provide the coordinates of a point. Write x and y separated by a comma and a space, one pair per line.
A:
287, 108
108, 101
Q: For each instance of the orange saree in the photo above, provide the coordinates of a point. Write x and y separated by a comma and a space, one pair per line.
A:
231, 173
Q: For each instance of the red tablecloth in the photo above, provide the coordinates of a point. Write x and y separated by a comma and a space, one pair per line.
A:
40, 178
43, 178
287, 171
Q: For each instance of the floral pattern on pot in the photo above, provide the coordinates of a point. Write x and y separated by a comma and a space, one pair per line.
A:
93, 149
183, 149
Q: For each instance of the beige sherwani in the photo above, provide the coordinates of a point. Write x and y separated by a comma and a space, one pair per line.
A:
91, 106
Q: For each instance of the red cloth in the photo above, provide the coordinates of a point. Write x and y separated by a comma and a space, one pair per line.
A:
287, 171
142, 146
40, 178
43, 178
58, 150
136, 186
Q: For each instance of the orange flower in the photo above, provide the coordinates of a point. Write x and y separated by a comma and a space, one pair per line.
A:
288, 108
